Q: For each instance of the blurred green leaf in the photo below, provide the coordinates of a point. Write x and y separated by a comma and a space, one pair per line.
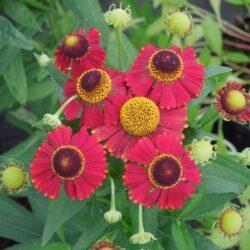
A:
7, 55
60, 210
9, 35
216, 5
6, 100
156, 27
213, 71
212, 34
15, 79
238, 2
182, 236
211, 115
236, 57
205, 56
34, 246
40, 90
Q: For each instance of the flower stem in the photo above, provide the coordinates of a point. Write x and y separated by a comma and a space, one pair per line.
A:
60, 110
112, 206
119, 47
221, 145
170, 38
140, 220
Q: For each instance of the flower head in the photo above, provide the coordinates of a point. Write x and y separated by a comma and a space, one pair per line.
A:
230, 222
118, 17
142, 238
137, 117
95, 88
13, 178
245, 156
233, 103
170, 77
202, 151
43, 59
179, 22
161, 172
103, 245
77, 160
79, 51
52, 120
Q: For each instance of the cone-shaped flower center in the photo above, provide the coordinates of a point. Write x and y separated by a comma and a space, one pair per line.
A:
75, 46
13, 178
230, 222
94, 85
165, 171
234, 101
165, 65
139, 116
68, 162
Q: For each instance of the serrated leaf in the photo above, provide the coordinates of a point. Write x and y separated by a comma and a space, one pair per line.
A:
15, 79
60, 210
9, 35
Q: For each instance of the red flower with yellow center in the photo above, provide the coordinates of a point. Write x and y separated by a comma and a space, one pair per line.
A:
80, 51
233, 103
95, 88
78, 161
137, 117
170, 77
161, 172
103, 245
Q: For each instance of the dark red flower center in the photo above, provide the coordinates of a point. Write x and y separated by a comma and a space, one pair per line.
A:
165, 171
68, 162
75, 46
166, 61
91, 80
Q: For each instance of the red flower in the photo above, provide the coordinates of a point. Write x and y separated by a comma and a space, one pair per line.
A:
162, 172
233, 103
95, 88
137, 117
170, 77
79, 51
103, 245
78, 161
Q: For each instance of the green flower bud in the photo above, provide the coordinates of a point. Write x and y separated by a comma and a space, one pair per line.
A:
118, 17
112, 216
43, 59
52, 120
142, 238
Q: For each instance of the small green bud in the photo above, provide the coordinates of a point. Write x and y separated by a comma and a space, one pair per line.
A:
43, 59
142, 238
112, 216
52, 120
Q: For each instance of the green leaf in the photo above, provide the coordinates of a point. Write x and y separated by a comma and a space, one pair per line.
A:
60, 210
156, 27
40, 90
90, 15
9, 35
212, 34
34, 246
238, 2
15, 79
93, 233
216, 5
237, 57
6, 100
182, 236
7, 55
17, 223
205, 56
213, 71
211, 115
129, 53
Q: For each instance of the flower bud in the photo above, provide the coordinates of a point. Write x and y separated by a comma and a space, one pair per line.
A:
202, 151
179, 22
245, 157
43, 59
142, 238
52, 120
118, 17
112, 216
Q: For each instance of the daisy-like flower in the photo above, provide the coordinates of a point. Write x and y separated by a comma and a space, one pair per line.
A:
137, 117
170, 77
79, 51
95, 88
77, 161
233, 103
103, 245
161, 172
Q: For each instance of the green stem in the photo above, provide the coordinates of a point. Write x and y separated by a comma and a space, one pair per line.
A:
170, 38
112, 206
119, 47
60, 110
140, 220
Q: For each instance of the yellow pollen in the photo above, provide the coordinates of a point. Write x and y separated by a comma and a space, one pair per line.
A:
165, 77
139, 116
100, 92
235, 100
71, 40
106, 248
65, 162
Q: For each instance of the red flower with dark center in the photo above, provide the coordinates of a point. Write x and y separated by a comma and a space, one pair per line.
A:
161, 172
233, 103
170, 77
80, 51
103, 245
78, 161
95, 88
137, 117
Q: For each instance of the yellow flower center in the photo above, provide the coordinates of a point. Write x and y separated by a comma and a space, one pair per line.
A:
165, 171
234, 101
139, 116
71, 40
165, 65
94, 85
